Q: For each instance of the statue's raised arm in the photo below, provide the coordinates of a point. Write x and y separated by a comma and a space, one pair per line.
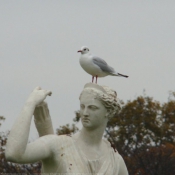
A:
17, 149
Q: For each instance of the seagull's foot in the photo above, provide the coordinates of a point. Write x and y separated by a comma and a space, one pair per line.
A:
96, 78
92, 79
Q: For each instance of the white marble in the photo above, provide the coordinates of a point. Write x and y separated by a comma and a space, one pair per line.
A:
84, 152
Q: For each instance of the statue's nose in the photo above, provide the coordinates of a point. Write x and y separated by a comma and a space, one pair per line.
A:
85, 112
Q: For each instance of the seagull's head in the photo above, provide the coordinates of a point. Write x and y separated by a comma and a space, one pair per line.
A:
84, 50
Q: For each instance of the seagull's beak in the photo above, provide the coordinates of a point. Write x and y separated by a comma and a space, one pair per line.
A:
79, 51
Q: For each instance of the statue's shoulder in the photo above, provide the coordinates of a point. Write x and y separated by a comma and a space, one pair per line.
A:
118, 159
52, 138
110, 146
64, 139
57, 141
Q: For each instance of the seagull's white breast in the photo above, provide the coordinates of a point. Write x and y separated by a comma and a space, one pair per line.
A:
91, 68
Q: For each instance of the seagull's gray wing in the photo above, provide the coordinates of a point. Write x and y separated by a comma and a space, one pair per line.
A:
103, 65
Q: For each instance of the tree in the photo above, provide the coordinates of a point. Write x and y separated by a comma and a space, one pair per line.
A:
135, 125
168, 122
1, 119
67, 129
143, 131
152, 160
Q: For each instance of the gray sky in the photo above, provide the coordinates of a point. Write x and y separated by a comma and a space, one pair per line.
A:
39, 42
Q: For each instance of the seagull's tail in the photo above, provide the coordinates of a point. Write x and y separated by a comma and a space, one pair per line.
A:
123, 75
120, 75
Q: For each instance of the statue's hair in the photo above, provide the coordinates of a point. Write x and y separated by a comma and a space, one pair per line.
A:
105, 94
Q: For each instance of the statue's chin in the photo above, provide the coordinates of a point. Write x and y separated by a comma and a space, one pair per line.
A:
86, 123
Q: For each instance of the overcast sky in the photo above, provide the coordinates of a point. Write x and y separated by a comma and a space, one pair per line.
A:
39, 42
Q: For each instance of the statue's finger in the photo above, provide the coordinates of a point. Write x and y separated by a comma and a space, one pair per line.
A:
38, 88
49, 93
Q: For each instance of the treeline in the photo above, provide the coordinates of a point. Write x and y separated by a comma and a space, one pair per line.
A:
142, 131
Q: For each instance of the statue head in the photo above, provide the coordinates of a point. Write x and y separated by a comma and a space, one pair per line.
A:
106, 95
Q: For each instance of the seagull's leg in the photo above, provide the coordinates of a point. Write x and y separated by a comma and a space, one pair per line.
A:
92, 79
96, 78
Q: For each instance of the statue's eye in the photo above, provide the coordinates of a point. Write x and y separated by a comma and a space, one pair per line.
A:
82, 106
84, 49
93, 107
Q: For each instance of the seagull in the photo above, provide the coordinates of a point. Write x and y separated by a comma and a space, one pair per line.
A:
96, 66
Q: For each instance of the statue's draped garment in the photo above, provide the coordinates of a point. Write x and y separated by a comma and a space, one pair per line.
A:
70, 159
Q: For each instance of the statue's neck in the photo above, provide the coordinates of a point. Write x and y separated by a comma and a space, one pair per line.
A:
91, 137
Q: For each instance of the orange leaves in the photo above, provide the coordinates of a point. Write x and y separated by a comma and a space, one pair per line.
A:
152, 160
67, 129
145, 136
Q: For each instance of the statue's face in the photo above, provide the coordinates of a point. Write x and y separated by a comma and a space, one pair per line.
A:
92, 111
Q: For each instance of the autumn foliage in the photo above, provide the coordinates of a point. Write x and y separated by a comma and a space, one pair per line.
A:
143, 132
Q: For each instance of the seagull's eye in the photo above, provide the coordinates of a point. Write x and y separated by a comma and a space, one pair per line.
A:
84, 49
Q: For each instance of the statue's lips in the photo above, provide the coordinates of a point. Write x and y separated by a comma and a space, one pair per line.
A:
85, 120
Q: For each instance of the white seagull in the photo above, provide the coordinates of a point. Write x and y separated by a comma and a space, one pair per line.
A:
96, 66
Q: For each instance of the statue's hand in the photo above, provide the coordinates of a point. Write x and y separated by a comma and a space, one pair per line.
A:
41, 112
38, 95
43, 120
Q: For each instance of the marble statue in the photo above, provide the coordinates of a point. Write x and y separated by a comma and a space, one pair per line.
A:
85, 152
